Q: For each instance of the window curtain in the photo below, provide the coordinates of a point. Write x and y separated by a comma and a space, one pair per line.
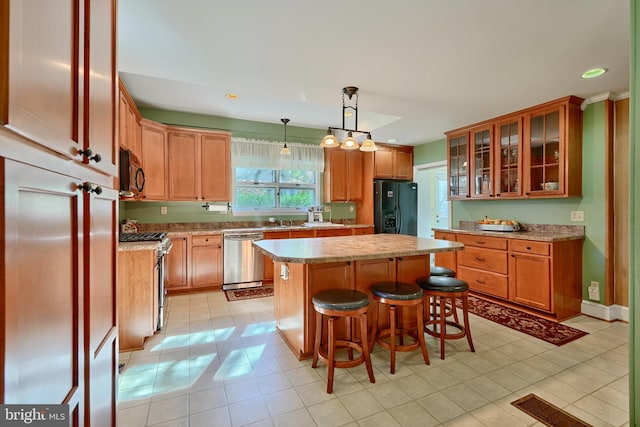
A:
251, 153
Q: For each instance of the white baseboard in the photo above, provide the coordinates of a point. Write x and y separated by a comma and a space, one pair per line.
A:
605, 312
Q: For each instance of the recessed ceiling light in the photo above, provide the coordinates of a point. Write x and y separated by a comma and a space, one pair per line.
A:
231, 95
392, 141
594, 72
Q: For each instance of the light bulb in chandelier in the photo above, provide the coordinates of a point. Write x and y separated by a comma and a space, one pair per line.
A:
329, 140
349, 142
368, 144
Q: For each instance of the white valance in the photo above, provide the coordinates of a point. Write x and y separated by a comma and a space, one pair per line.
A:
251, 153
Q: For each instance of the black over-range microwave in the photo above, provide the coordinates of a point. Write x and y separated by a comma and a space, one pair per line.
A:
131, 175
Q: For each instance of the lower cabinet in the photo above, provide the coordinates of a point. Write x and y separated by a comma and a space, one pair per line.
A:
445, 259
206, 261
177, 263
545, 276
137, 297
195, 262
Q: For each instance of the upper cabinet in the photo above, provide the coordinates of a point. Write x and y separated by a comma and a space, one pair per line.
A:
393, 162
58, 82
155, 160
199, 165
343, 171
535, 152
553, 149
129, 125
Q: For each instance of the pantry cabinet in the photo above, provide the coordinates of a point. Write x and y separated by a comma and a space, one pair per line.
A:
531, 153
343, 172
129, 123
393, 162
59, 99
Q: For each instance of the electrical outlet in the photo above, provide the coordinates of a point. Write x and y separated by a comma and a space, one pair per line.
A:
594, 291
577, 215
327, 209
163, 210
351, 208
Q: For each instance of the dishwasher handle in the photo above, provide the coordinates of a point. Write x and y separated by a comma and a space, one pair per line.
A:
244, 236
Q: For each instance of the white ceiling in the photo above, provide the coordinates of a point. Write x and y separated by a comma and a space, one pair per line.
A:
423, 66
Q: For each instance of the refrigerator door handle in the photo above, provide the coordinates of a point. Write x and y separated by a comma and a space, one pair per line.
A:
398, 220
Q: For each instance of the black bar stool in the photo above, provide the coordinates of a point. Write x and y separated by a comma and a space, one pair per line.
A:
335, 304
398, 295
443, 289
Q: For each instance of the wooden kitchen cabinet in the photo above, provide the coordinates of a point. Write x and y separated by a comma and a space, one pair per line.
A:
177, 263
58, 95
343, 175
445, 259
531, 147
508, 157
393, 162
129, 123
206, 261
481, 175
137, 297
553, 149
483, 264
199, 165
458, 164
530, 274
155, 160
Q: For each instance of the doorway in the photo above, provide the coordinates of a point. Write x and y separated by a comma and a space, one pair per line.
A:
434, 210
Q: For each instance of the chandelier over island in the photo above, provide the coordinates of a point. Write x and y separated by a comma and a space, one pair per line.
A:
349, 142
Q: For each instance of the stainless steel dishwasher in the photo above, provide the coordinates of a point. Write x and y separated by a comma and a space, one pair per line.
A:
243, 264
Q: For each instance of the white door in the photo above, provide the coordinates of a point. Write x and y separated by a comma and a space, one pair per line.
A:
433, 207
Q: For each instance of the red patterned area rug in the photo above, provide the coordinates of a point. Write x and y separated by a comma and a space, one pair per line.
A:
547, 330
249, 293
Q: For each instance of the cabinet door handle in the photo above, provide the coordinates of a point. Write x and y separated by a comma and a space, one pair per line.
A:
528, 248
482, 282
480, 242
513, 255
480, 259
89, 155
86, 186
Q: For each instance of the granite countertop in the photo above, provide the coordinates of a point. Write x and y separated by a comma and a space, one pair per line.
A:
534, 232
139, 246
351, 248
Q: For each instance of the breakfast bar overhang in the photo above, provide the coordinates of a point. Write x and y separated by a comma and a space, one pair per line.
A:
304, 267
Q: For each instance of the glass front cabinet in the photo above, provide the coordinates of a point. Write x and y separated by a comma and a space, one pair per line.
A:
481, 172
531, 153
457, 165
508, 157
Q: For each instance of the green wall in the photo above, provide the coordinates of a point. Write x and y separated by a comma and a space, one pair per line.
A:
186, 212
551, 211
432, 152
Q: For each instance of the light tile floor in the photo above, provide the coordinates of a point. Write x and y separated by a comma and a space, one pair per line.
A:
220, 363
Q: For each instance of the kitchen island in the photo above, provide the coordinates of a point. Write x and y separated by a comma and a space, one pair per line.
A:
304, 267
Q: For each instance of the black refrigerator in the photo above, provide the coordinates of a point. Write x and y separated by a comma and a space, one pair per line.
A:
395, 205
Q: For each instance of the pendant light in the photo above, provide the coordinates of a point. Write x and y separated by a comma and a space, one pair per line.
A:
285, 151
349, 142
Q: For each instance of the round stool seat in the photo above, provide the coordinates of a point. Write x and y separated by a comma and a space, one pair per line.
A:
397, 291
340, 299
437, 270
443, 284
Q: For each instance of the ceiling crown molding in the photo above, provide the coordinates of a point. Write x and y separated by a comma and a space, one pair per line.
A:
602, 97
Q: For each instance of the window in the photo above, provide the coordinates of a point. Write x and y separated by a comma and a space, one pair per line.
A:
264, 182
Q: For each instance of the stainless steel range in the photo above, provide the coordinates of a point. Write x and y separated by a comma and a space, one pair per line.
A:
162, 263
